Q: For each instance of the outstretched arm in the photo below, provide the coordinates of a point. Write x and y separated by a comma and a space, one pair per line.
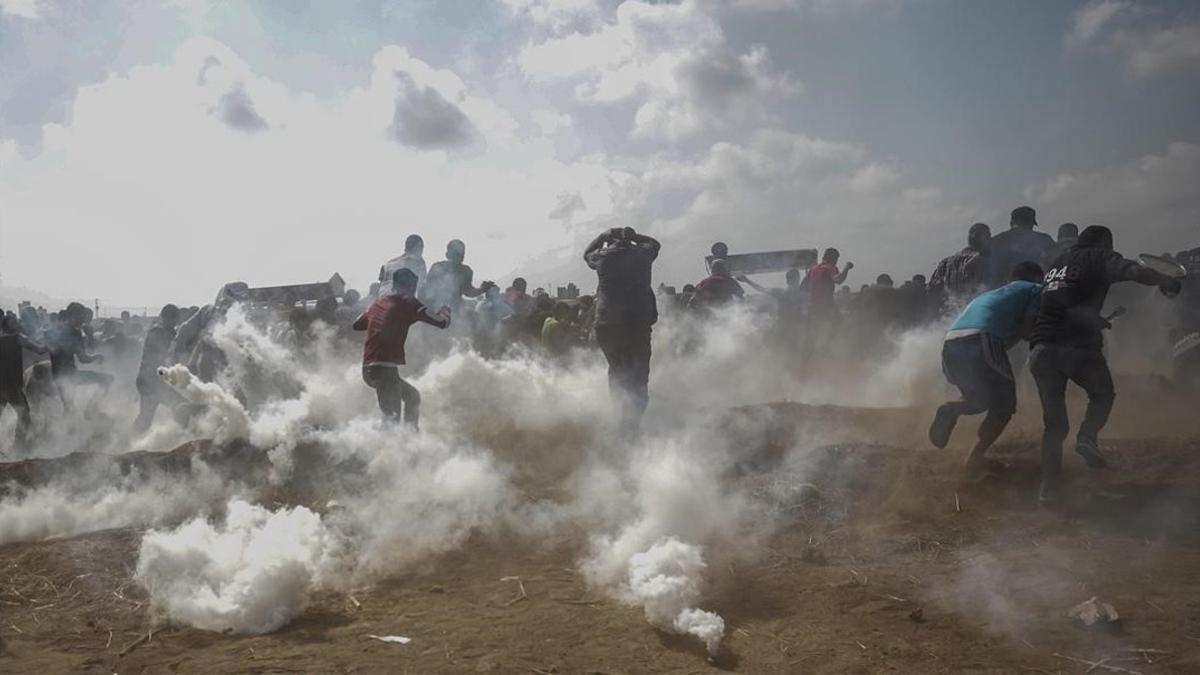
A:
1118, 269
30, 344
440, 320
841, 278
468, 287
746, 280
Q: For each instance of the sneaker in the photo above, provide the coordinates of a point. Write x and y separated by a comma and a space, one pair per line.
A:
943, 425
1090, 452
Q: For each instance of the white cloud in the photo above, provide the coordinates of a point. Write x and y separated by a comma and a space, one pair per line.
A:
779, 189
1089, 20
1122, 28
556, 16
26, 9
1152, 52
148, 195
1151, 202
672, 60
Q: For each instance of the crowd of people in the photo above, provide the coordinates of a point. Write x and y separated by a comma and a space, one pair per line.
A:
1020, 284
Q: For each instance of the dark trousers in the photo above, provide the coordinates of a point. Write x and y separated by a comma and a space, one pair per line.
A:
978, 365
627, 349
394, 394
1053, 366
153, 392
16, 398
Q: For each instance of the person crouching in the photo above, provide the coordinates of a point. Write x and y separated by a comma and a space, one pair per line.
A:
387, 322
975, 359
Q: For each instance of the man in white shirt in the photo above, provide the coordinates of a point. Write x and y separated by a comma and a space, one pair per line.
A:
412, 259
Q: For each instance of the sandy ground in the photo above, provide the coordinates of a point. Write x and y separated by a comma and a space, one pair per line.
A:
889, 562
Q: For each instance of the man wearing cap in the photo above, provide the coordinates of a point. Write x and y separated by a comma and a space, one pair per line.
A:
962, 275
1020, 243
1068, 345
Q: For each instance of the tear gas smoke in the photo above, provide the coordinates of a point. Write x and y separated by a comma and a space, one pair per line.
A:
222, 418
665, 581
101, 500
653, 510
248, 575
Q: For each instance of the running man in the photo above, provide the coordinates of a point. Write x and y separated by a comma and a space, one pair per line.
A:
387, 323
975, 359
1068, 346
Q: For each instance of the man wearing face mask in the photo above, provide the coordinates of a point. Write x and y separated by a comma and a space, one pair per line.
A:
450, 280
1067, 345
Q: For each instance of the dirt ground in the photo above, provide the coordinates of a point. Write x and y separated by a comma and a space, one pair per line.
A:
889, 562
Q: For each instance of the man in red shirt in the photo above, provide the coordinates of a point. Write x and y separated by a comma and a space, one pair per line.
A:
823, 279
387, 323
821, 282
718, 290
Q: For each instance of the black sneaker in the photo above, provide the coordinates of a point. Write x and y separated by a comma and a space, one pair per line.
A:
943, 425
1090, 452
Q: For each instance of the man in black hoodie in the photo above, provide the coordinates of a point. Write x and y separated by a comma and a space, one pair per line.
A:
1067, 345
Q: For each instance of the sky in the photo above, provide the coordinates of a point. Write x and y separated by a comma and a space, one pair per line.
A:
152, 150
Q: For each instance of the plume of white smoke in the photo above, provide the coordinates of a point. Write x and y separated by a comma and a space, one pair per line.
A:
104, 500
221, 416
910, 371
676, 496
422, 496
249, 574
655, 509
665, 581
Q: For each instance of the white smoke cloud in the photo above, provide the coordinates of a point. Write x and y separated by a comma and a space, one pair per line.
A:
101, 499
250, 574
665, 581
655, 511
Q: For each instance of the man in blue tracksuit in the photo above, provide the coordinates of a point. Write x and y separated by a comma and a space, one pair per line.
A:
975, 359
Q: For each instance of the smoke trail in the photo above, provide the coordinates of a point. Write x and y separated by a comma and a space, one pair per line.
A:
222, 417
248, 575
653, 510
664, 580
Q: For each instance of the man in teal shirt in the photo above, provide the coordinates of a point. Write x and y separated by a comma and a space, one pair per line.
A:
975, 359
